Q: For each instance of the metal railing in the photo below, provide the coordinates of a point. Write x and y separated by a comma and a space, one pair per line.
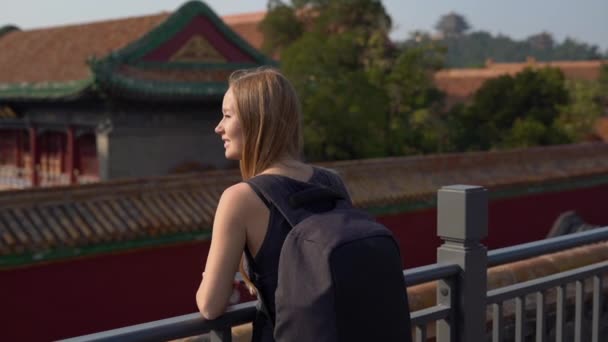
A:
461, 275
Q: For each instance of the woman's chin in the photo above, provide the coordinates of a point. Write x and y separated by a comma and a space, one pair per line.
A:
231, 156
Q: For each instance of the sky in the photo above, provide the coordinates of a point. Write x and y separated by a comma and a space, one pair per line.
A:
584, 20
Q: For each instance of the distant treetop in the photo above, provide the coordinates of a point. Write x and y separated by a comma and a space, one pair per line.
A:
452, 25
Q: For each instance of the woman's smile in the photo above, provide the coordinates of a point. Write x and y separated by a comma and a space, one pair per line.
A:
230, 129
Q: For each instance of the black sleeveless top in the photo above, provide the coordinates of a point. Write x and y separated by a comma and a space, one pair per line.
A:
263, 268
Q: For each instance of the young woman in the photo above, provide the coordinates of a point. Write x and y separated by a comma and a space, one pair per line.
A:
261, 128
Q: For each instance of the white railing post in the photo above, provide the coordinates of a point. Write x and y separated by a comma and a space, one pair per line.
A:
462, 222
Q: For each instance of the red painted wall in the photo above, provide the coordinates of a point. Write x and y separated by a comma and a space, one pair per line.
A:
511, 221
74, 297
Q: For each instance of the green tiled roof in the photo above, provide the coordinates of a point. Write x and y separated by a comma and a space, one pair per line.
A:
105, 72
46, 90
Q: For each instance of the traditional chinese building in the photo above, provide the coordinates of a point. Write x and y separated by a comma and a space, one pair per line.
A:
120, 98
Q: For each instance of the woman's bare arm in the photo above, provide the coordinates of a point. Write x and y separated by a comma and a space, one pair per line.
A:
227, 245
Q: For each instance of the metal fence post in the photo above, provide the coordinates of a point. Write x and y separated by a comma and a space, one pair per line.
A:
223, 335
462, 221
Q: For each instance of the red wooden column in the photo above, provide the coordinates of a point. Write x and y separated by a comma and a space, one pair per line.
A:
70, 158
18, 148
34, 155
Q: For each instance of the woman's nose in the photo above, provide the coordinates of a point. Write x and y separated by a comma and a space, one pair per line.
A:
218, 128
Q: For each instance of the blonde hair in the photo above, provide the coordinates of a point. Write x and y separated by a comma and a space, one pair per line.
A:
270, 115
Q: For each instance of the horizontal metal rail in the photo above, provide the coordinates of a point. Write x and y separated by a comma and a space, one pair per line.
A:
420, 319
174, 327
536, 248
195, 324
521, 289
423, 274
434, 313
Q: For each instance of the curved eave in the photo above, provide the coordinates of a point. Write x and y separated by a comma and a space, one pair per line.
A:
45, 90
133, 52
139, 89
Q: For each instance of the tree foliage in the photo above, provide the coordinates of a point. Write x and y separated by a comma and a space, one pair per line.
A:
578, 117
541, 41
280, 27
588, 102
359, 92
512, 111
473, 49
603, 87
364, 96
452, 25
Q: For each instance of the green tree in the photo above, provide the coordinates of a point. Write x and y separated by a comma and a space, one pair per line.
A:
578, 117
280, 27
541, 41
413, 124
512, 111
342, 109
472, 49
603, 87
359, 92
452, 25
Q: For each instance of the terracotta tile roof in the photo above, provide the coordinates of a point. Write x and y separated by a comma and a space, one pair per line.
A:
37, 220
246, 25
59, 54
44, 218
586, 70
460, 84
407, 179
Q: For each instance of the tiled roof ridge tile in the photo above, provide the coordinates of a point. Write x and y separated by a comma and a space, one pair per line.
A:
221, 178
460, 84
42, 54
78, 25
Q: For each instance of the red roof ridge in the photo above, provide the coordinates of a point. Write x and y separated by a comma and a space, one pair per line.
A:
421, 175
496, 69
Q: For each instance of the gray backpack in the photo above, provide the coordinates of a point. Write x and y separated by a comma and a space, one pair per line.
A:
340, 275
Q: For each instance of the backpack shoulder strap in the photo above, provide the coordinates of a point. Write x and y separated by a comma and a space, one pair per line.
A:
290, 196
335, 181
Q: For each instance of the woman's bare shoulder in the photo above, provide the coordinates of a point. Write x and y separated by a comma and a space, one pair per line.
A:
241, 197
238, 193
